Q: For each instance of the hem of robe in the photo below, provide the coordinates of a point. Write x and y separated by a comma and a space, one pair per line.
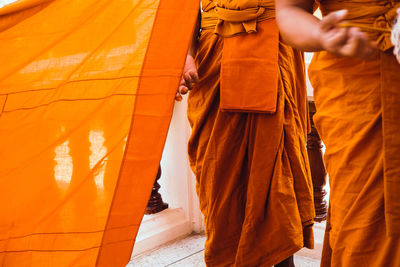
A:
308, 242
349, 241
279, 257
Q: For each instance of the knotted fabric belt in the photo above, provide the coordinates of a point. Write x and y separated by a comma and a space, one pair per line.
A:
375, 19
249, 63
229, 22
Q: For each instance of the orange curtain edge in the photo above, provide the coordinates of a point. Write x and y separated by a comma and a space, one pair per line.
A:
157, 87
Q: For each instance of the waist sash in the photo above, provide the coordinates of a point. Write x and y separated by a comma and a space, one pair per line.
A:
375, 19
249, 65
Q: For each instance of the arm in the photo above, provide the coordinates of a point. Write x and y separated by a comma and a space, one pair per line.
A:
300, 29
189, 75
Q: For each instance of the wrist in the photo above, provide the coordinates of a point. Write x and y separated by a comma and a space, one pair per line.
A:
318, 39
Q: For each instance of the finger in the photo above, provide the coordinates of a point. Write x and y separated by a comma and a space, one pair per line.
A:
351, 49
183, 81
183, 90
178, 97
331, 20
187, 77
194, 76
192, 79
188, 81
358, 45
363, 44
337, 39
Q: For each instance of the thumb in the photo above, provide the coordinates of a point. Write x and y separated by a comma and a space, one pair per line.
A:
331, 20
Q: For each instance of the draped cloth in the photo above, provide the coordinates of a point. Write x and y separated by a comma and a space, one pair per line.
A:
252, 172
357, 118
86, 95
243, 55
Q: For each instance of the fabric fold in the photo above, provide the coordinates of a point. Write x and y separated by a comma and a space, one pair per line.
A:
251, 60
357, 118
250, 50
87, 86
253, 178
372, 18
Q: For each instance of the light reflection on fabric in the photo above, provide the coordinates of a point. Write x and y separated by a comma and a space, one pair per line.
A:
73, 67
98, 152
63, 169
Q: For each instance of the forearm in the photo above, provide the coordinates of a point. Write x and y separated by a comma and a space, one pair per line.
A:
298, 27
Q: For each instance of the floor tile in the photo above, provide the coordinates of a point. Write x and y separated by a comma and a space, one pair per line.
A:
189, 252
196, 260
170, 253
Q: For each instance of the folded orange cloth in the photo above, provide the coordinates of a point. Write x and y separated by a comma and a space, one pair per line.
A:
249, 70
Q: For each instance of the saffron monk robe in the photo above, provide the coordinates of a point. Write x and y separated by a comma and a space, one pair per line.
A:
248, 113
356, 81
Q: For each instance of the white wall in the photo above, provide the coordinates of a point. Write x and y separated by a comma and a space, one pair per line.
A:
177, 189
177, 180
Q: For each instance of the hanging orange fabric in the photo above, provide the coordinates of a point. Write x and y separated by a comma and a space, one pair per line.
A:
254, 56
357, 118
86, 89
246, 55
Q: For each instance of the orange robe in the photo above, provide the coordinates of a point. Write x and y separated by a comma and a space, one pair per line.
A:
358, 108
86, 88
253, 179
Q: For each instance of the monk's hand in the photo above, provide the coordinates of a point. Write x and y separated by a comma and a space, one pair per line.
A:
341, 40
189, 77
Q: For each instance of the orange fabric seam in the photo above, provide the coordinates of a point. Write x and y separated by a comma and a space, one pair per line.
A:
128, 139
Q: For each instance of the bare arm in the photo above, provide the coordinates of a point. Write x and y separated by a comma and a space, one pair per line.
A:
189, 75
302, 30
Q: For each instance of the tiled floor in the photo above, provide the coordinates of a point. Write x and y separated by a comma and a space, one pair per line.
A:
189, 252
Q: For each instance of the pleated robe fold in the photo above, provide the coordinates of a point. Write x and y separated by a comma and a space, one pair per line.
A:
253, 177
